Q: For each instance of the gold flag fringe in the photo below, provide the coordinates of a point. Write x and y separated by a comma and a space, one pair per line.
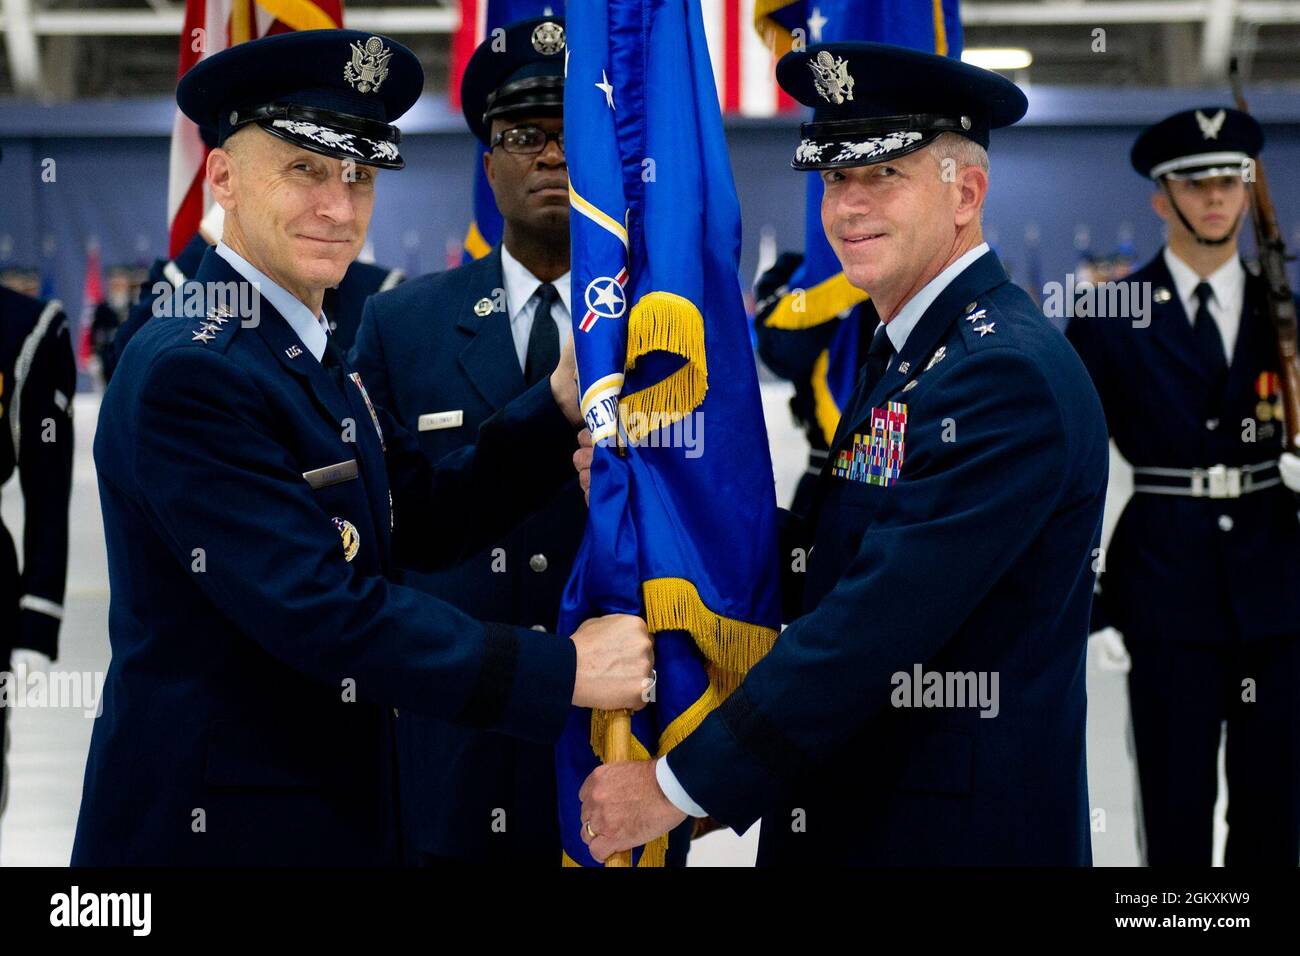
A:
665, 322
820, 304
824, 407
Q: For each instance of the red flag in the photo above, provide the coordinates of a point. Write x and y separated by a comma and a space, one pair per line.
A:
463, 42
210, 27
92, 295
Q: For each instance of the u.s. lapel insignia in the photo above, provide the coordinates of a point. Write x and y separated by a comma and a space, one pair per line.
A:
1162, 295
977, 314
351, 540
984, 328
936, 358
356, 378
483, 306
293, 351
904, 368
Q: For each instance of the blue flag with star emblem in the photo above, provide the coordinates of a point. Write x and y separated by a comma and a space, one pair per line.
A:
682, 525
820, 292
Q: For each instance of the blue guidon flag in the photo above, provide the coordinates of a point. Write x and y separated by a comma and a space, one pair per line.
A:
820, 292
682, 527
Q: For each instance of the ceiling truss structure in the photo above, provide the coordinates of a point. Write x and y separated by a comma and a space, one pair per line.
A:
1218, 27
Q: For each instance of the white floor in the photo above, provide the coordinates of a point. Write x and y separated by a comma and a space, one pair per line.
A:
48, 745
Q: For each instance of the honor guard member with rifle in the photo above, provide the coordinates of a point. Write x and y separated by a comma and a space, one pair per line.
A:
953, 530
255, 500
38, 379
342, 304
1201, 574
444, 353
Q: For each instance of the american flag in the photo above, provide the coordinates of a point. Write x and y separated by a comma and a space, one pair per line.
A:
210, 27
743, 66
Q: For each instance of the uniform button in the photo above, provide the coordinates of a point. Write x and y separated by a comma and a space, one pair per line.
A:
538, 563
538, 627
1211, 424
1225, 523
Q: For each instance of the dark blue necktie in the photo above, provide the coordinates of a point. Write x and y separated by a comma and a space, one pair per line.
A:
544, 339
1209, 341
877, 361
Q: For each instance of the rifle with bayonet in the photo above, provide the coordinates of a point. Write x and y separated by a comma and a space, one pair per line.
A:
1280, 303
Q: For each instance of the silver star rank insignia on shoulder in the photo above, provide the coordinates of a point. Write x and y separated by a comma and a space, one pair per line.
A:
984, 328
206, 333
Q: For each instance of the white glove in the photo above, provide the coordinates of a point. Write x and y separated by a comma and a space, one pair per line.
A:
1111, 654
1288, 467
24, 660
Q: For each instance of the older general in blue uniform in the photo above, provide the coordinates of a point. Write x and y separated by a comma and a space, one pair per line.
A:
1201, 574
342, 304
444, 353
928, 707
255, 498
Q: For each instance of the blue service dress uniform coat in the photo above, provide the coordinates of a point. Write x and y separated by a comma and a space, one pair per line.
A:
974, 557
254, 505
429, 349
342, 305
1203, 589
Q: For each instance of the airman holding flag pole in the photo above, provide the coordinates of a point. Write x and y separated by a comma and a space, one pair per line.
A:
951, 543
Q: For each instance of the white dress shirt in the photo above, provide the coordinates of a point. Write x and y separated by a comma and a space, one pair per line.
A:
1229, 285
310, 329
521, 303
898, 329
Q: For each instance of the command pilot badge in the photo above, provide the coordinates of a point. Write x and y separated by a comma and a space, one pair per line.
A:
369, 66
876, 458
351, 540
